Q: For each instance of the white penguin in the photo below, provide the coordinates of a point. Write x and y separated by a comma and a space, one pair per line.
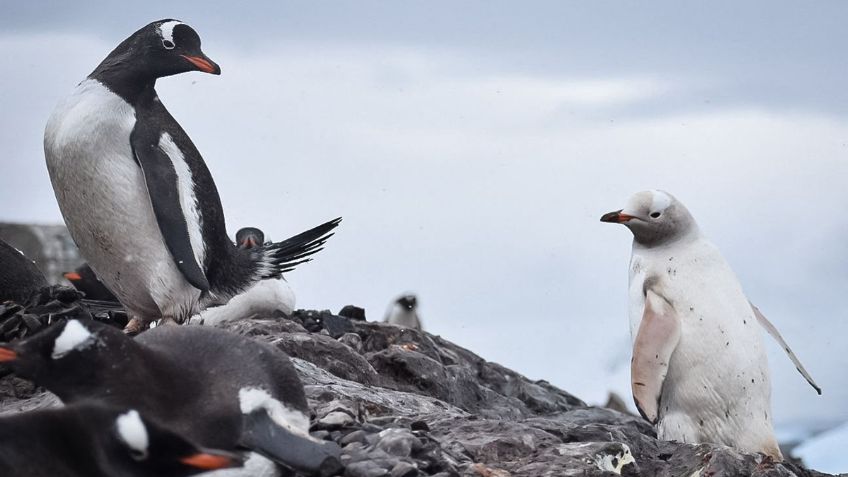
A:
404, 312
699, 370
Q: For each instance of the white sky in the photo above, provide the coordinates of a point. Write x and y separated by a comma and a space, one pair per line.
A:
471, 151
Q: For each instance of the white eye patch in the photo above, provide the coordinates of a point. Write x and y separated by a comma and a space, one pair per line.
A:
251, 399
75, 336
132, 431
659, 201
166, 30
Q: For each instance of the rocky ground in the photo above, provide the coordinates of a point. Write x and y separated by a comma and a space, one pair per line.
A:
404, 403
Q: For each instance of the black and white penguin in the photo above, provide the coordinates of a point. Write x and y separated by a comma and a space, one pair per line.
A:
85, 280
136, 195
263, 299
96, 440
217, 388
19, 276
404, 312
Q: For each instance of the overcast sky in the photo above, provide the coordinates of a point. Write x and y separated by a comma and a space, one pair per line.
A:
472, 146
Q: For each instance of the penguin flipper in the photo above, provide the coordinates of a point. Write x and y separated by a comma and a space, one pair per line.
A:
281, 257
264, 436
772, 330
658, 335
163, 187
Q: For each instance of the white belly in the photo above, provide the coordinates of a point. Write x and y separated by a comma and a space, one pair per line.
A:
717, 388
400, 316
104, 201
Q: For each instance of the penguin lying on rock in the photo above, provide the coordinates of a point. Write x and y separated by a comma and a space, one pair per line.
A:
217, 388
136, 195
262, 299
97, 440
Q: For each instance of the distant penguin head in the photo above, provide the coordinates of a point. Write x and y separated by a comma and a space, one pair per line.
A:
137, 446
250, 237
69, 353
162, 48
655, 217
408, 302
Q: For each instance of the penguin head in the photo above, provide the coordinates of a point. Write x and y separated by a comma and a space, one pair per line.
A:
250, 237
66, 355
408, 302
654, 217
161, 48
137, 446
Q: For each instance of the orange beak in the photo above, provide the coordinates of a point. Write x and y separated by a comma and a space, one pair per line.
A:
203, 64
72, 276
7, 355
206, 461
616, 217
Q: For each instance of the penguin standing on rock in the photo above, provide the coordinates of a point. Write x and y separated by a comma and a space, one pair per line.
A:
263, 299
404, 312
136, 195
97, 440
219, 389
699, 370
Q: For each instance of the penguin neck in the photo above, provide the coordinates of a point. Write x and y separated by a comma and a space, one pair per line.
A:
133, 85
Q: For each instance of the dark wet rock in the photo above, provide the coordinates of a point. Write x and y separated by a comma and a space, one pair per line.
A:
353, 312
404, 403
49, 304
329, 354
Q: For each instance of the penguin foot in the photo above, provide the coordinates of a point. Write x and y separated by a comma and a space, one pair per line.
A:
135, 326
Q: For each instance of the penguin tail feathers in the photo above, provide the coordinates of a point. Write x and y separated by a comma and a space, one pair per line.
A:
281, 257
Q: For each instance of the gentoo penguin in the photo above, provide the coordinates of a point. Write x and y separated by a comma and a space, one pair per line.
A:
699, 370
263, 299
137, 197
85, 280
217, 388
96, 440
404, 312
19, 277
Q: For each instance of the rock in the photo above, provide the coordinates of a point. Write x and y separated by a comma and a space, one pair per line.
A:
351, 340
405, 403
404, 469
353, 312
329, 354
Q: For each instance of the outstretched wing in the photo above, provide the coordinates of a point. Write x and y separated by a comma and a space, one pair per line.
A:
776, 335
171, 192
658, 335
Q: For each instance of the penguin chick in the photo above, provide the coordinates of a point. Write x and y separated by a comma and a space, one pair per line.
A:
136, 195
97, 440
217, 388
404, 312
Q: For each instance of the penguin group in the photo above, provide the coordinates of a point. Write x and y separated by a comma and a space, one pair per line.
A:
142, 207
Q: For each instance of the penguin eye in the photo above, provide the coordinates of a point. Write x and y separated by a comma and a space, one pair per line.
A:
655, 214
168, 44
138, 455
